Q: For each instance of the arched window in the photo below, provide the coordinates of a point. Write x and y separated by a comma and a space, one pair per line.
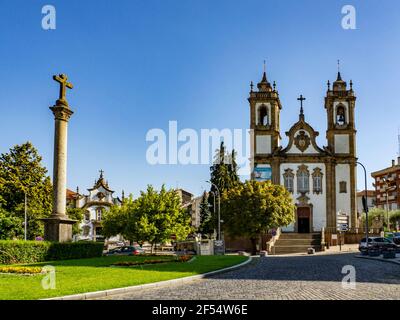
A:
263, 116
87, 215
303, 179
317, 181
340, 115
288, 178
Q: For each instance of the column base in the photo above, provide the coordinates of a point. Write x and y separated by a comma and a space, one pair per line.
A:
58, 229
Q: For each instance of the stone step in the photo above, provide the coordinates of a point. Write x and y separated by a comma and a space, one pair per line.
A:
300, 236
305, 242
294, 249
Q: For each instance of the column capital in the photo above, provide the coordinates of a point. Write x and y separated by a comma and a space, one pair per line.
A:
61, 112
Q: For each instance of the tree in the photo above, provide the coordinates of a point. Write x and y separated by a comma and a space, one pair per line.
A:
76, 214
162, 215
253, 207
224, 175
21, 171
206, 227
10, 226
153, 217
224, 170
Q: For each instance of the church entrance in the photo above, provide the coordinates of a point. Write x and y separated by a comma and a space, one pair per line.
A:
303, 219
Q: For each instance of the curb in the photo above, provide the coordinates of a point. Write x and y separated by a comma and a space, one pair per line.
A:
378, 259
110, 292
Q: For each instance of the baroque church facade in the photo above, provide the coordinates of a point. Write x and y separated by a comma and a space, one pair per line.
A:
99, 199
322, 180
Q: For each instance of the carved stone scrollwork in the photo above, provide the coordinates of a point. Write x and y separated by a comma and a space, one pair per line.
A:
303, 199
302, 141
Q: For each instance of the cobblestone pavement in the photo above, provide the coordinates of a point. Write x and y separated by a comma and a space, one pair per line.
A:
291, 277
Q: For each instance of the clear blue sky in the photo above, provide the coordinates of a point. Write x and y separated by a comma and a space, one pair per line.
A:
138, 64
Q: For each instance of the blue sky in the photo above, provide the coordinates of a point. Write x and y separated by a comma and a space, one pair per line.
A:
136, 65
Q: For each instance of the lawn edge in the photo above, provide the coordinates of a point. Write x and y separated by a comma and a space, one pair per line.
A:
377, 259
110, 292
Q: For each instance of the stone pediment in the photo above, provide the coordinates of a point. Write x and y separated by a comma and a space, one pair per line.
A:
302, 140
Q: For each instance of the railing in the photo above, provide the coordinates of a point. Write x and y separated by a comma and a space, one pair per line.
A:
271, 243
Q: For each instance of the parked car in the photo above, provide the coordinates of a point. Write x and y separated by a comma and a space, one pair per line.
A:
396, 237
378, 242
126, 251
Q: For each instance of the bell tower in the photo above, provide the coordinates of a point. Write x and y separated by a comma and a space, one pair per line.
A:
341, 136
340, 104
265, 109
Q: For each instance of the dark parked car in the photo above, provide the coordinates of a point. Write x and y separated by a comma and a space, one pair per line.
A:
396, 237
126, 251
378, 242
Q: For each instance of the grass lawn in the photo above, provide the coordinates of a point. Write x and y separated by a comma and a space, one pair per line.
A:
86, 275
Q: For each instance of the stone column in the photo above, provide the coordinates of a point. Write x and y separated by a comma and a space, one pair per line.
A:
58, 227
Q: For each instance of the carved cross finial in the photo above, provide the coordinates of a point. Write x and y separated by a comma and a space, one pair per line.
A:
301, 99
101, 174
64, 84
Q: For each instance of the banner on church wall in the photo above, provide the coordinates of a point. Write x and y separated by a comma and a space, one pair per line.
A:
262, 173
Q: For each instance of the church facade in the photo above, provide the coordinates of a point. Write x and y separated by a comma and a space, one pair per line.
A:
95, 204
322, 180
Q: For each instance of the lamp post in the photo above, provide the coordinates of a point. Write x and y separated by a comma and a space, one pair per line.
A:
219, 209
26, 217
386, 182
366, 202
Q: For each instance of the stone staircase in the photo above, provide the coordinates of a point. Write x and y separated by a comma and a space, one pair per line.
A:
297, 243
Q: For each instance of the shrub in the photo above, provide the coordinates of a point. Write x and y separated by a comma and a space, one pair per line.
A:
12, 252
185, 258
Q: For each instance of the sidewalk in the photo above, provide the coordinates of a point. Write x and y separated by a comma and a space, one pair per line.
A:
380, 258
345, 249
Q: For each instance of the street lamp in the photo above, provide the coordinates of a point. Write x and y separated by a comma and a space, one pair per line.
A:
26, 217
219, 208
366, 202
388, 189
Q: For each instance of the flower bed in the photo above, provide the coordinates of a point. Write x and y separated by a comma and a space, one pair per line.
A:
21, 270
184, 258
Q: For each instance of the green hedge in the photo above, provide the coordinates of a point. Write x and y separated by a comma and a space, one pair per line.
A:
12, 252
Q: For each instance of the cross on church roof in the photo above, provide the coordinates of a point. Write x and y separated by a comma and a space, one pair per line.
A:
301, 99
101, 173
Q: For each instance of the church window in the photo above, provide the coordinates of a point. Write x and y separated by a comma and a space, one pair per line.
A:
342, 187
263, 116
87, 215
317, 180
288, 178
303, 179
99, 214
340, 115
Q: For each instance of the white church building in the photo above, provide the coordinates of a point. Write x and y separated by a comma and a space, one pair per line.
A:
321, 179
99, 199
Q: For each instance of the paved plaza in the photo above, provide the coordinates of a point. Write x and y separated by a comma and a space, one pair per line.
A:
288, 278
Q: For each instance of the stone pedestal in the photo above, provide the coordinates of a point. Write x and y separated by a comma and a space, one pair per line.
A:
58, 229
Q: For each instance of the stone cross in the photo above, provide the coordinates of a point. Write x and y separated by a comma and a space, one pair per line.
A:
64, 84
